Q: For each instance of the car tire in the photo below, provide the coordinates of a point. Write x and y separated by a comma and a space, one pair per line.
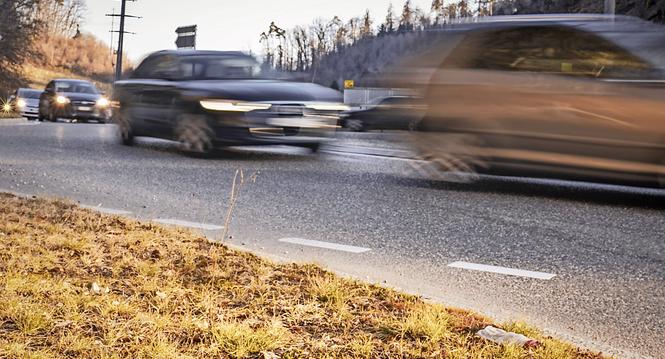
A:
450, 157
660, 177
51, 116
314, 147
123, 120
40, 114
194, 135
355, 125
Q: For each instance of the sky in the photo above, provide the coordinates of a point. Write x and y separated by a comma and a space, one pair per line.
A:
222, 24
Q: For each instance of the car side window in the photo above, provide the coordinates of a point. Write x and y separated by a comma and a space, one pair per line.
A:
142, 71
191, 68
164, 67
548, 49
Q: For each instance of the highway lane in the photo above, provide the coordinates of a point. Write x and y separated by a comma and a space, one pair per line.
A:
604, 244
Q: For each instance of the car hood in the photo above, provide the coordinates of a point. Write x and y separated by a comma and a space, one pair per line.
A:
81, 96
30, 101
261, 90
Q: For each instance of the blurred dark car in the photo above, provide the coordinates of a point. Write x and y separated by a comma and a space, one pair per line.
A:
25, 102
387, 113
210, 99
578, 97
78, 100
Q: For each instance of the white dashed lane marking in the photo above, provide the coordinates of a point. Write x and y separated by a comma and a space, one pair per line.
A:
502, 270
177, 222
118, 212
326, 245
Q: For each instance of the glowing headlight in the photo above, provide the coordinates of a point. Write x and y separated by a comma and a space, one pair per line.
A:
20, 103
61, 100
102, 102
328, 107
6, 107
233, 106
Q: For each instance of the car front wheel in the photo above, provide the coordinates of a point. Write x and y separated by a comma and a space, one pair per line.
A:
194, 134
51, 116
660, 177
451, 157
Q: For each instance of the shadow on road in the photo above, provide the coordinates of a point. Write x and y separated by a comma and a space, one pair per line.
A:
603, 194
253, 153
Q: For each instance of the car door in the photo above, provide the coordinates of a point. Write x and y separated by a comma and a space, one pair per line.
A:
155, 96
535, 94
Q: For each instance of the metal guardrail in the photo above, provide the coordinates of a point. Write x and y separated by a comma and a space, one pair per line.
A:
363, 96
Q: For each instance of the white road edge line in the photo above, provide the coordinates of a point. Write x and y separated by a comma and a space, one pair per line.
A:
12, 123
341, 153
119, 212
326, 245
181, 223
502, 270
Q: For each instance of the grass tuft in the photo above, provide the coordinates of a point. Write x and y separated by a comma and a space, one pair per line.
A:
428, 322
240, 340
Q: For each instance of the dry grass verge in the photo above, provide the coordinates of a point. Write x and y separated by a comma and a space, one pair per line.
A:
77, 284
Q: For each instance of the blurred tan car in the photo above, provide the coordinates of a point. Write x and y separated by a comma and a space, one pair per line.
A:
580, 97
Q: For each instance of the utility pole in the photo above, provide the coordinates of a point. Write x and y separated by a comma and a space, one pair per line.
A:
121, 37
112, 37
610, 7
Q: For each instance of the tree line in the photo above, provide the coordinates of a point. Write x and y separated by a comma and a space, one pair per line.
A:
302, 47
45, 34
328, 49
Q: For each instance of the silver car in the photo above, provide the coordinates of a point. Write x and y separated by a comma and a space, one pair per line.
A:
25, 101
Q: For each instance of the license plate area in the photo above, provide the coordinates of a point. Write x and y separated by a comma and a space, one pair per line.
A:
84, 108
299, 122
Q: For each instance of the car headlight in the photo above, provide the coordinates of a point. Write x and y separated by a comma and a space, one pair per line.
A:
328, 107
20, 103
61, 100
103, 102
6, 107
233, 106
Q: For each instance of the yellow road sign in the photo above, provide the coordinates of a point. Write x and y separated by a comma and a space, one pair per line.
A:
349, 84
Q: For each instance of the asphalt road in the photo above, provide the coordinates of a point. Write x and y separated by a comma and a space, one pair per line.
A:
604, 244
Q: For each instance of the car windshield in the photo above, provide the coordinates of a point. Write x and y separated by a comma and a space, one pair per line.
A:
220, 67
76, 87
29, 93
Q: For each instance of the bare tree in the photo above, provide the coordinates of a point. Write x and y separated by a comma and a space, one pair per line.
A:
439, 11
280, 34
301, 40
406, 20
59, 17
366, 29
354, 29
452, 11
421, 19
388, 27
463, 9
18, 29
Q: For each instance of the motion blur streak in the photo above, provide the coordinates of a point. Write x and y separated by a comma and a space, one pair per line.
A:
560, 96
